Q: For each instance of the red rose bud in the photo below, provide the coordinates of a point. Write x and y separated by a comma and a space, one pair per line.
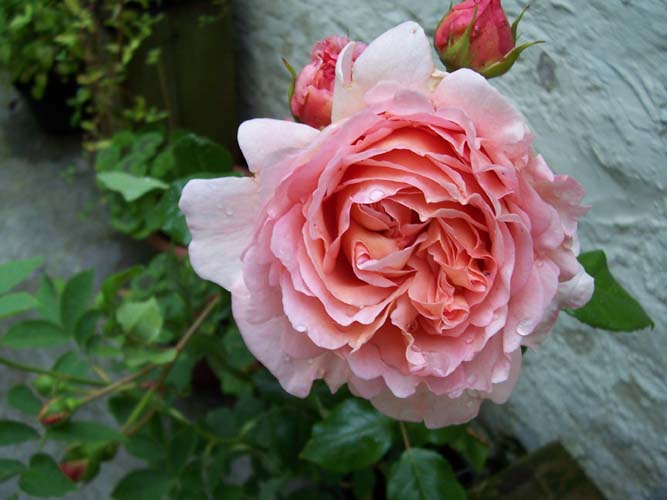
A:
74, 469
57, 411
312, 94
476, 34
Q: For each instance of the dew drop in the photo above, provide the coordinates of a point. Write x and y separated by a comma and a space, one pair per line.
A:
286, 358
472, 378
300, 328
525, 327
229, 212
376, 194
469, 339
540, 263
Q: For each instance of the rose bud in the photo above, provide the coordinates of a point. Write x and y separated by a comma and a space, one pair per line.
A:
44, 384
57, 411
312, 94
74, 469
476, 34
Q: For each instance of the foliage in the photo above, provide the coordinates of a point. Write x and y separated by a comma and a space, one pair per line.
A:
142, 175
611, 308
143, 341
87, 41
36, 42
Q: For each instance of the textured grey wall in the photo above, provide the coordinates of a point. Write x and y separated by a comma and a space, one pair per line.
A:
596, 96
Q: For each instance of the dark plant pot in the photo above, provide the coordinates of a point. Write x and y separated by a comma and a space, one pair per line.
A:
195, 78
52, 112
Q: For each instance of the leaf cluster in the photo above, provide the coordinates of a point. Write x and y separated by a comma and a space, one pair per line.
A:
37, 42
249, 440
143, 173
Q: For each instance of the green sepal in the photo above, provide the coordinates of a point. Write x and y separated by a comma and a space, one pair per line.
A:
501, 67
294, 76
515, 24
457, 54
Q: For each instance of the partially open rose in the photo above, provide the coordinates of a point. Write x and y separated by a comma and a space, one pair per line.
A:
409, 249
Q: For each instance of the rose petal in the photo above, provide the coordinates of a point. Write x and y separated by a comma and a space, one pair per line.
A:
402, 54
221, 215
263, 326
265, 142
494, 117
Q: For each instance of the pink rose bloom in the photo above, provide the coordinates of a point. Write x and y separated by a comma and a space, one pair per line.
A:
491, 37
409, 249
313, 90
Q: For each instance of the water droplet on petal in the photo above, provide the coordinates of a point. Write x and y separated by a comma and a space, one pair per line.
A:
229, 212
286, 358
540, 263
525, 327
376, 194
472, 378
300, 328
469, 339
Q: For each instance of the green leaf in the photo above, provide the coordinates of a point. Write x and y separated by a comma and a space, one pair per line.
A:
23, 399
143, 485
197, 154
12, 432
146, 448
33, 334
86, 326
136, 357
142, 320
43, 478
420, 435
130, 187
14, 272
166, 215
9, 468
611, 308
48, 297
473, 449
423, 475
363, 483
181, 448
75, 299
352, 437
70, 364
83, 432
16, 303
222, 423
238, 355
112, 285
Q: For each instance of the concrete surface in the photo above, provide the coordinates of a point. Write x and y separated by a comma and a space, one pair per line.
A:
596, 96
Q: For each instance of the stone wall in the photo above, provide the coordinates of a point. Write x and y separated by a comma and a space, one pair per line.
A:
595, 93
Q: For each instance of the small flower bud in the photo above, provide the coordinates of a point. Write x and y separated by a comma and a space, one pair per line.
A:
44, 384
476, 34
312, 98
57, 411
74, 469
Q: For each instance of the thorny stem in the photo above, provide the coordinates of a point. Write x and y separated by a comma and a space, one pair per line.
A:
116, 385
130, 428
33, 369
